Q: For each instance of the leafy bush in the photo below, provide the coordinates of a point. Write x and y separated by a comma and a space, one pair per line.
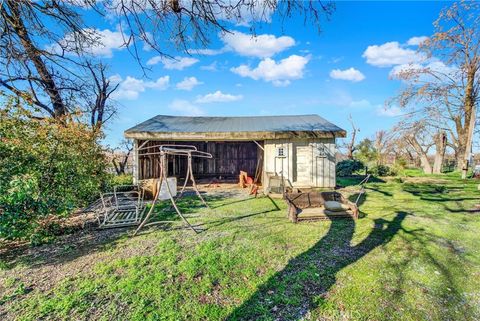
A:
20, 204
348, 167
382, 170
115, 180
46, 167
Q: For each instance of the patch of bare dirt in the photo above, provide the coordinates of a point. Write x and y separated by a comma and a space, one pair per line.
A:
224, 190
39, 269
43, 266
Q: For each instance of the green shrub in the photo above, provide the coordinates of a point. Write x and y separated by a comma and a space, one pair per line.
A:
382, 170
115, 180
20, 205
46, 167
46, 233
348, 167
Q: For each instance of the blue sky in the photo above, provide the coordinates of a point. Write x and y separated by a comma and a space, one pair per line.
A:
290, 69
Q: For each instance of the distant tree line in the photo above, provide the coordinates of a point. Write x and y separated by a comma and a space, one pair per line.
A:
439, 98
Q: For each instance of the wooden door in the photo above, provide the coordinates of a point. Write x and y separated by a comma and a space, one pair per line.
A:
303, 164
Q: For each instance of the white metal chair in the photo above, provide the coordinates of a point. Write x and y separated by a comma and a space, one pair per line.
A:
124, 207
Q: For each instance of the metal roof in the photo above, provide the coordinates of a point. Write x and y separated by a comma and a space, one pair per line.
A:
163, 127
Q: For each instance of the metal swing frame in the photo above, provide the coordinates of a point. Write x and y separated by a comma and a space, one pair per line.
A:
188, 151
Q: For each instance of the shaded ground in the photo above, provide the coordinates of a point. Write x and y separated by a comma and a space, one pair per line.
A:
413, 256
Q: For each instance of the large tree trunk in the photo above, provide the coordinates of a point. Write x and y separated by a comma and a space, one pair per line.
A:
469, 120
119, 166
440, 145
350, 149
15, 20
460, 157
424, 162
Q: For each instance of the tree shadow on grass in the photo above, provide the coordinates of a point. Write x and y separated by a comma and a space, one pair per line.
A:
445, 195
376, 189
304, 282
455, 305
443, 298
462, 210
435, 192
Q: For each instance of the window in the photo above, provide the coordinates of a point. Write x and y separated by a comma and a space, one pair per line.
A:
281, 152
320, 151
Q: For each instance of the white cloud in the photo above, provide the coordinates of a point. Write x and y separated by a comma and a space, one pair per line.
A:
409, 65
434, 66
109, 41
106, 41
350, 74
211, 67
217, 97
188, 83
160, 84
390, 54
389, 112
261, 46
362, 103
131, 87
115, 79
415, 41
279, 73
207, 52
148, 41
186, 108
398, 70
178, 63
335, 60
343, 98
440, 68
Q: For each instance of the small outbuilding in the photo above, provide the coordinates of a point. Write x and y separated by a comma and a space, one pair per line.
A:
299, 148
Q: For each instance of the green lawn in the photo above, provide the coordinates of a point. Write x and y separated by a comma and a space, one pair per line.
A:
414, 255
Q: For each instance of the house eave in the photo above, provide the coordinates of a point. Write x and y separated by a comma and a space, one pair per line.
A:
237, 136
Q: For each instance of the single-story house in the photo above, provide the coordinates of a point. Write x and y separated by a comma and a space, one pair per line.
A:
299, 148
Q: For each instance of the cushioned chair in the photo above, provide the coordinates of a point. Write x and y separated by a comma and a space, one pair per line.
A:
319, 205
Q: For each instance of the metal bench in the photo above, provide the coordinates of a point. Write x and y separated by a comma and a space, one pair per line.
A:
124, 207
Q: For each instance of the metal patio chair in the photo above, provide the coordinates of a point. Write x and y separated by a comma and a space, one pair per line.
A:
124, 206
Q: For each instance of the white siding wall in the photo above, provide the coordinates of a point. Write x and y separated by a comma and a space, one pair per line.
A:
301, 165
